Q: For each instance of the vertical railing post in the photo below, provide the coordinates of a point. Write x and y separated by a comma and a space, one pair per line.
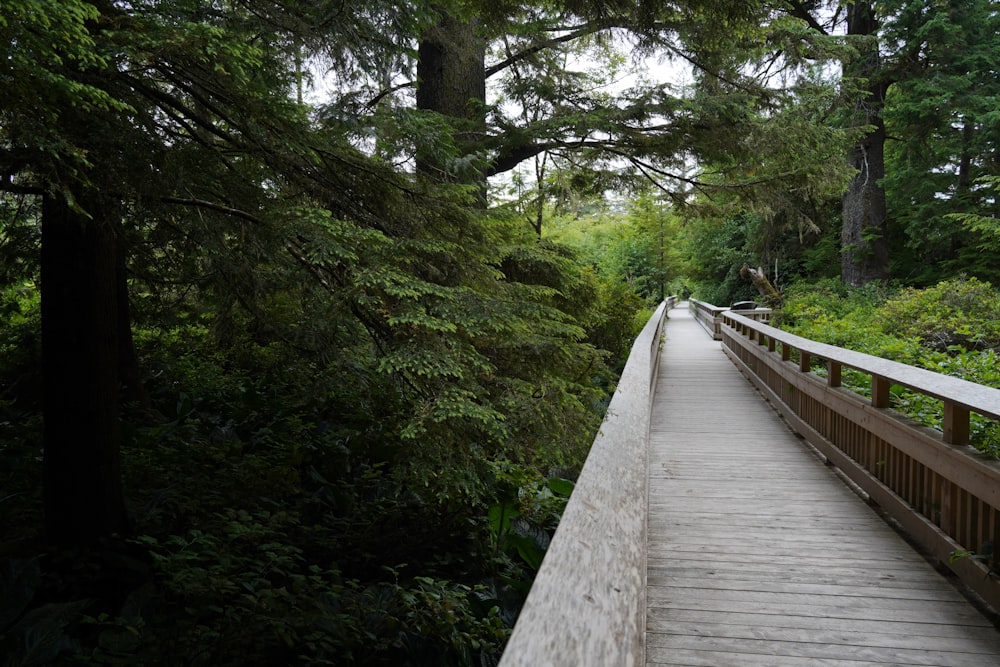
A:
880, 392
956, 424
834, 373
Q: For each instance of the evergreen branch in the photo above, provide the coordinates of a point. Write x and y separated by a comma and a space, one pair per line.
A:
166, 102
213, 206
799, 11
647, 170
513, 59
382, 95
518, 155
197, 96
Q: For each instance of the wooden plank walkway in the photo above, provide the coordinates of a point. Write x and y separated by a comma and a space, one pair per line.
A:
759, 554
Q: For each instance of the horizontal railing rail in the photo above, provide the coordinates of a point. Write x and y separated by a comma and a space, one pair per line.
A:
710, 317
944, 493
587, 605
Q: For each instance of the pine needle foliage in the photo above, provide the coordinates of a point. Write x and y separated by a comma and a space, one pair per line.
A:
346, 365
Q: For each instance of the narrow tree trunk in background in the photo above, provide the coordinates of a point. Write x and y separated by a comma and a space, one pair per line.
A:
451, 80
965, 159
133, 391
80, 346
864, 239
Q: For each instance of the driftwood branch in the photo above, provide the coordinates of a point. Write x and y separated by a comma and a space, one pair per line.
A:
770, 296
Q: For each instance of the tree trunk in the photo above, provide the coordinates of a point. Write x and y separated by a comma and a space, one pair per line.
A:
770, 296
865, 242
451, 80
80, 344
133, 391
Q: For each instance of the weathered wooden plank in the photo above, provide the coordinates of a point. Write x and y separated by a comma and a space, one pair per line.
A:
722, 659
760, 555
909, 638
865, 603
683, 554
830, 582
924, 613
816, 651
662, 620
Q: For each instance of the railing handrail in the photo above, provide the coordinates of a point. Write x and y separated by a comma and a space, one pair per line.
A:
947, 388
709, 316
945, 495
587, 605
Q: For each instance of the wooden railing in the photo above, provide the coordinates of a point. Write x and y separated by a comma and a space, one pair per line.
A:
944, 494
710, 317
587, 605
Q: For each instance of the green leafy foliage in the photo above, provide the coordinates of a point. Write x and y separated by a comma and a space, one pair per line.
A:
963, 313
944, 128
950, 328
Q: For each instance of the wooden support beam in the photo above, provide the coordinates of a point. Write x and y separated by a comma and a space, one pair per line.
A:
956, 424
834, 373
880, 392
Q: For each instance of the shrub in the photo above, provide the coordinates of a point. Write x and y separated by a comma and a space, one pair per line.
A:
952, 328
959, 314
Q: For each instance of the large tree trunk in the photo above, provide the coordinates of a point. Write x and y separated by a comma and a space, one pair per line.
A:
865, 239
865, 242
80, 343
451, 80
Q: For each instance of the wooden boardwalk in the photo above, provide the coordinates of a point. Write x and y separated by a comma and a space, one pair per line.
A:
758, 554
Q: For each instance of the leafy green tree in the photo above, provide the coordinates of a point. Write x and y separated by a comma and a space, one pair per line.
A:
647, 253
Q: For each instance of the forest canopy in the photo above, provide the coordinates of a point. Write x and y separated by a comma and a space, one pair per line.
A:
311, 311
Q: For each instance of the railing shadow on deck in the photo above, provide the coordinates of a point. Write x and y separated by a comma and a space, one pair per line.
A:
587, 603
944, 494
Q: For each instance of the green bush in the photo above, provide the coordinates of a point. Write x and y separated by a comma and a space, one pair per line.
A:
952, 328
963, 314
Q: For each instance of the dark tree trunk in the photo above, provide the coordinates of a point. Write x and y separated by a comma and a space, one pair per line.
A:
865, 241
133, 391
451, 80
80, 343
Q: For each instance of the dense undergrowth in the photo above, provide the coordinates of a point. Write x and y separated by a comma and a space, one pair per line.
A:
287, 507
951, 328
